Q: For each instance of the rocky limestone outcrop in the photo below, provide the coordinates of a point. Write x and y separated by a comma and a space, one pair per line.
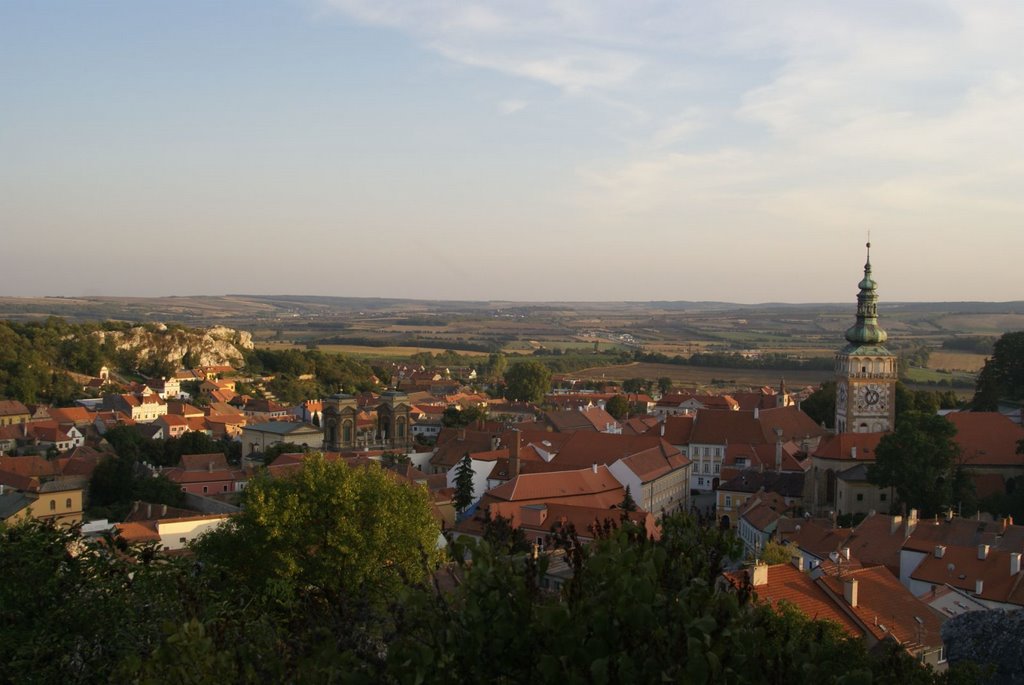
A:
213, 347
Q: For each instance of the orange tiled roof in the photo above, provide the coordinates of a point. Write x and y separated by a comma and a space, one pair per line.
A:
787, 584
841, 447
887, 608
987, 438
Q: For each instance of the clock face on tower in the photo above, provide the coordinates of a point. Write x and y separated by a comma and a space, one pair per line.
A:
873, 398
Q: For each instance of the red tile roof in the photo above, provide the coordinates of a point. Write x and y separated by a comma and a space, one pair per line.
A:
887, 608
840, 447
581, 486
787, 584
987, 438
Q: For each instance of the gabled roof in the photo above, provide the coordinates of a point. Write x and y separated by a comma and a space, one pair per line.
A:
31, 466
887, 608
12, 408
283, 427
12, 503
961, 568
678, 430
75, 415
817, 540
849, 447
592, 487
987, 438
585, 448
569, 420
787, 584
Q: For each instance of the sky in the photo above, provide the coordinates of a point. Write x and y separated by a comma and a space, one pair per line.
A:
555, 150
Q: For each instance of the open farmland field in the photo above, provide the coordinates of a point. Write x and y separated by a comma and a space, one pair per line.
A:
695, 377
956, 361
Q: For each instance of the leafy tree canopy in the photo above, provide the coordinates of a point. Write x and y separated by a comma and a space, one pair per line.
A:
1002, 377
617, 406
919, 459
527, 381
329, 526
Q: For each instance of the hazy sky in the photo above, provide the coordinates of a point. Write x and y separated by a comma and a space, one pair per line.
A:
575, 149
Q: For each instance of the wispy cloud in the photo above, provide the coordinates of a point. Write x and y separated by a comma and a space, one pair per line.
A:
808, 116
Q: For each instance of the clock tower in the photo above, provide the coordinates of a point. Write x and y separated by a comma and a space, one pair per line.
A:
865, 369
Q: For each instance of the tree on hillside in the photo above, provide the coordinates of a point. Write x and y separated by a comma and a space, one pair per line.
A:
463, 484
1002, 377
329, 527
664, 385
617, 406
527, 381
919, 459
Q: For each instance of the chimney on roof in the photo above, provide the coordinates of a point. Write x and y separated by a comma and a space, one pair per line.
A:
798, 562
757, 413
149, 511
940, 551
759, 575
979, 586
911, 522
850, 591
513, 455
663, 428
163, 510
982, 552
895, 524
593, 467
1014, 563
845, 551
461, 435
495, 441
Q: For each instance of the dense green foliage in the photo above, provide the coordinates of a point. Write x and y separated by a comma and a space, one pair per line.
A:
527, 381
328, 526
331, 372
920, 459
128, 442
34, 356
119, 481
617, 406
281, 596
1002, 377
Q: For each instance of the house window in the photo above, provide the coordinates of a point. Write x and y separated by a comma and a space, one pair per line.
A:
67, 503
707, 468
860, 497
205, 489
700, 481
717, 467
881, 497
728, 501
183, 540
707, 452
53, 505
225, 488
